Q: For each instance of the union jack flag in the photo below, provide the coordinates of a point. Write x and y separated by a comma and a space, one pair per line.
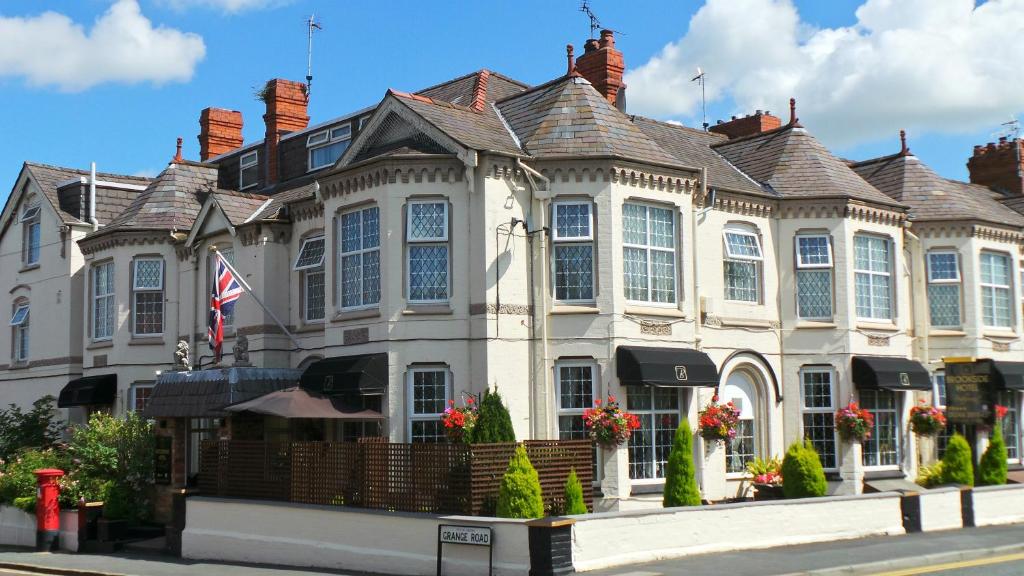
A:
226, 291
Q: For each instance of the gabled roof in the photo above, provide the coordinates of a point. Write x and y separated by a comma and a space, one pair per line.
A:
568, 117
461, 90
478, 130
693, 148
171, 202
239, 207
795, 165
905, 178
109, 201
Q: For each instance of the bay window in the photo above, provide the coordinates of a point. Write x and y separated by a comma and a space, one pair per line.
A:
573, 257
427, 251
814, 277
648, 253
996, 290
882, 449
359, 271
429, 391
103, 306
148, 296
742, 266
944, 289
872, 265
310, 265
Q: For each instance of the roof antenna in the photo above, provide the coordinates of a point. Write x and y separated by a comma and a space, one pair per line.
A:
699, 78
311, 26
595, 24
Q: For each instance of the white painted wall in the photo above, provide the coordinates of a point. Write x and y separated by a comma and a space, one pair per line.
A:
940, 509
18, 528
998, 504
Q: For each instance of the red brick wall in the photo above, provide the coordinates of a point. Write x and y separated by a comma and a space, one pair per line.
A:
286, 112
602, 65
747, 125
220, 131
999, 165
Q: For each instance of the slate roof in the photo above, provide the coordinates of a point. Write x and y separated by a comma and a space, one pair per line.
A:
931, 197
109, 201
795, 165
478, 130
1014, 203
460, 90
278, 201
239, 206
204, 393
171, 202
568, 117
692, 147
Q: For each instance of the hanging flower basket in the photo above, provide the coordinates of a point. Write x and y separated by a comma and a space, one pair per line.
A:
608, 424
854, 423
718, 422
459, 421
926, 420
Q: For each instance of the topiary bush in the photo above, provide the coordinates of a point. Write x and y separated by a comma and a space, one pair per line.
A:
802, 474
519, 496
493, 422
680, 480
574, 503
957, 467
992, 467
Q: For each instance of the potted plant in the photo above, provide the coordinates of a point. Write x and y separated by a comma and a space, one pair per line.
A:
766, 476
926, 420
608, 424
854, 423
718, 422
459, 421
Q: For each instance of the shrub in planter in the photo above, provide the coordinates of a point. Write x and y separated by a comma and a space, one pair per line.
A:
493, 423
929, 476
680, 481
519, 496
802, 474
992, 467
956, 462
574, 503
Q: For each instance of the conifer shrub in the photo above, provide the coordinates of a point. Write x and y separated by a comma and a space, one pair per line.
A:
680, 480
802, 474
574, 503
992, 467
493, 422
957, 467
519, 496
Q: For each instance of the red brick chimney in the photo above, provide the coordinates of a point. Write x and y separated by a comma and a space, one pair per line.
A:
220, 131
748, 125
286, 112
602, 65
999, 166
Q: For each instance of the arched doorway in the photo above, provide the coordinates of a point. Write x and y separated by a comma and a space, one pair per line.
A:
745, 384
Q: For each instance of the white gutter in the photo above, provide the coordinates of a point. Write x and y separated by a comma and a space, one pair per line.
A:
92, 198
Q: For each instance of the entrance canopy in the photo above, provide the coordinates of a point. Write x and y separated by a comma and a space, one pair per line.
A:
298, 403
205, 393
889, 373
88, 391
667, 367
361, 374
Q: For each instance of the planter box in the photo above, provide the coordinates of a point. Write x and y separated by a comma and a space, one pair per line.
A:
768, 492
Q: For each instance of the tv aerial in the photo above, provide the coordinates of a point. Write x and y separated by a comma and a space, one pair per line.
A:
1010, 129
595, 24
699, 78
312, 25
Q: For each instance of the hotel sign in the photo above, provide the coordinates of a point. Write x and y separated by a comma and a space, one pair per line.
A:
968, 392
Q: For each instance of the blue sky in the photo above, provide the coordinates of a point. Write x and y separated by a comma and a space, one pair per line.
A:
92, 98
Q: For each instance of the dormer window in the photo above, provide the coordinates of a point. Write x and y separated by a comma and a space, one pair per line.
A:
30, 228
327, 146
248, 170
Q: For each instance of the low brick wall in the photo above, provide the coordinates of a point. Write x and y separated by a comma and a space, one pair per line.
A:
18, 528
622, 538
344, 538
940, 509
998, 504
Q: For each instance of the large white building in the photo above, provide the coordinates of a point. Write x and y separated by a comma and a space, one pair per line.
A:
538, 240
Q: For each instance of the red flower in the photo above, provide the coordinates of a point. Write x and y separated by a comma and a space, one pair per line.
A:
1001, 411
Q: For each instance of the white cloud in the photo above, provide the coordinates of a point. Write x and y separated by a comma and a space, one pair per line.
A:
123, 46
925, 65
229, 6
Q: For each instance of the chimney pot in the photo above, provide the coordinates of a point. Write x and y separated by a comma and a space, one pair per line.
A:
607, 39
572, 61
747, 125
602, 65
177, 153
1000, 167
903, 143
792, 111
590, 46
757, 112
1002, 139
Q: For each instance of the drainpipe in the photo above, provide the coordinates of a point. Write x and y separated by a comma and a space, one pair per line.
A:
92, 198
694, 215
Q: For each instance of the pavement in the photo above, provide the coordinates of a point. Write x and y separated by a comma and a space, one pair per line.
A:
970, 551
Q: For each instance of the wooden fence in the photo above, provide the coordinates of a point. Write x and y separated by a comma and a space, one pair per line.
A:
434, 478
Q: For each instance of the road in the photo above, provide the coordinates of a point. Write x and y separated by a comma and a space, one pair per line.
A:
1000, 565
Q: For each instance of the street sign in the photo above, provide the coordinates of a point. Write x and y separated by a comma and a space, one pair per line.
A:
969, 392
470, 535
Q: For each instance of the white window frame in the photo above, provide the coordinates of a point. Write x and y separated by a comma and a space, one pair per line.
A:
311, 269
682, 399
594, 388
248, 160
133, 396
649, 248
361, 252
830, 409
945, 281
897, 410
815, 267
442, 240
890, 281
137, 289
96, 297
30, 219
411, 416
557, 239
757, 260
21, 337
991, 289
323, 139
1014, 406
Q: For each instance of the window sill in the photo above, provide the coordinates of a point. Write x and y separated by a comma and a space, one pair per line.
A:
147, 341
309, 327
100, 345
655, 311
740, 302
427, 310
878, 326
356, 315
574, 309
746, 323
996, 333
29, 267
946, 332
888, 473
649, 486
814, 324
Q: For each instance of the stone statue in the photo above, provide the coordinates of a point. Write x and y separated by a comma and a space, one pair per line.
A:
240, 351
181, 359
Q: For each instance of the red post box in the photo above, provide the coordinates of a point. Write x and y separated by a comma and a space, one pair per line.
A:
47, 509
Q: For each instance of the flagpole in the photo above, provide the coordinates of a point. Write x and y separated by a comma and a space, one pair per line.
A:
245, 286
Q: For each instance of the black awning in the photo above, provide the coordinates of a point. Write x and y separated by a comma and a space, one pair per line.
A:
1007, 375
362, 374
889, 373
89, 391
670, 367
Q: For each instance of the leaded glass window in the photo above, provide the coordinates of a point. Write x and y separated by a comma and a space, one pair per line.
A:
944, 289
428, 251
872, 265
996, 290
573, 253
148, 296
576, 384
883, 447
814, 277
818, 413
428, 397
648, 253
744, 447
658, 410
359, 262
103, 308
1011, 423
742, 265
